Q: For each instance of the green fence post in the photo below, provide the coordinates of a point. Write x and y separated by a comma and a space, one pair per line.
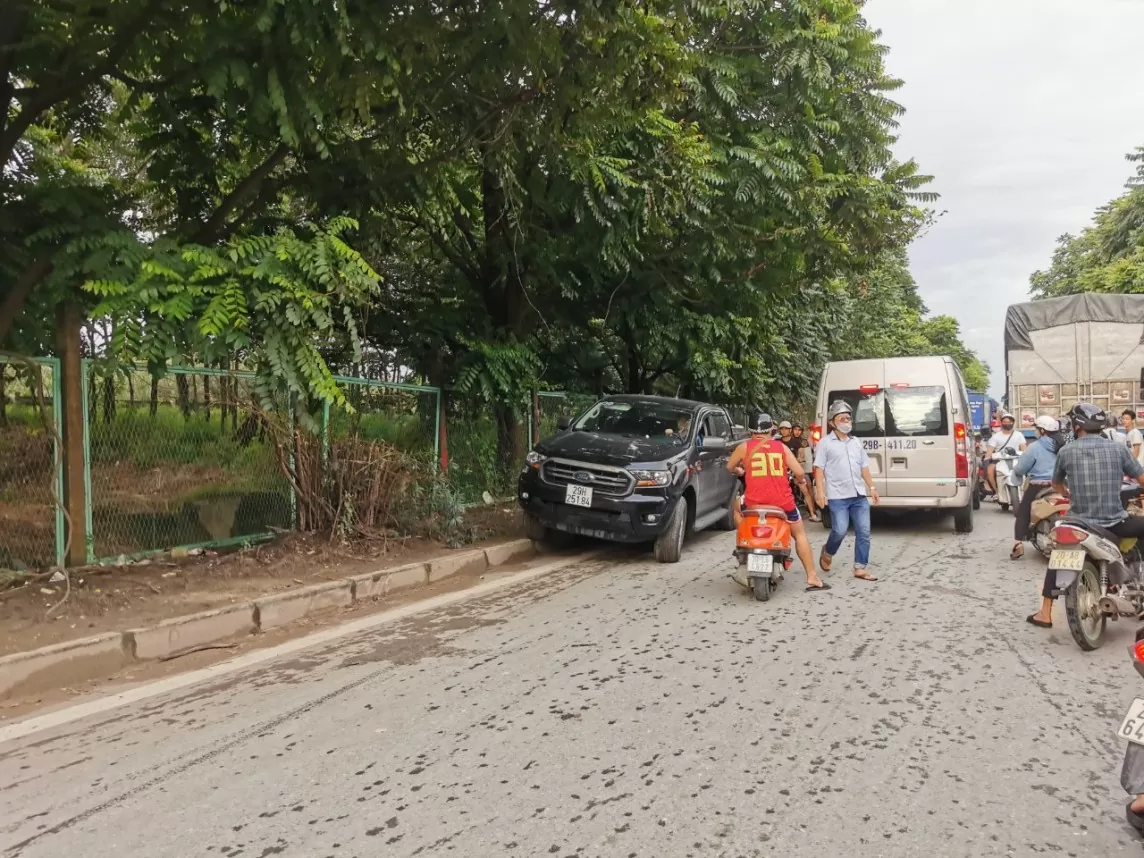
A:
88, 515
58, 456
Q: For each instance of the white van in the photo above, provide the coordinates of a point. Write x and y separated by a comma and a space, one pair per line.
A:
912, 415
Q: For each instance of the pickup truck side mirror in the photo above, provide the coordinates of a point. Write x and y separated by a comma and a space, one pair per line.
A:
713, 444
564, 423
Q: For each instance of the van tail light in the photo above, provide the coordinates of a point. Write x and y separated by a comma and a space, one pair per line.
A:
762, 532
899, 385
815, 433
1064, 534
1138, 651
869, 388
961, 451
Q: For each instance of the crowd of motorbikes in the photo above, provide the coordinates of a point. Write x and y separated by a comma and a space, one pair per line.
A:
1100, 576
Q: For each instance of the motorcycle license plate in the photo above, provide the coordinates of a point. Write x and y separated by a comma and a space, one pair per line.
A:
1072, 561
578, 496
1132, 727
762, 564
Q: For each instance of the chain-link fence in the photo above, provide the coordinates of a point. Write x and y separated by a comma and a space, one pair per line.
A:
31, 477
183, 459
404, 416
190, 457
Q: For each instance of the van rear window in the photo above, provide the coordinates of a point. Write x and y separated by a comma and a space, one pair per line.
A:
868, 410
916, 411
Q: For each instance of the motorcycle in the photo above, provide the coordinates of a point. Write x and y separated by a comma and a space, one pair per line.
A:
1132, 729
763, 547
1047, 509
1099, 574
1008, 483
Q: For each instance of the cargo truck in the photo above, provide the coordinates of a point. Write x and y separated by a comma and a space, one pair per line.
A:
1080, 348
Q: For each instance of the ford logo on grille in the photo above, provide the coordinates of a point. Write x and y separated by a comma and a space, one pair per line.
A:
583, 477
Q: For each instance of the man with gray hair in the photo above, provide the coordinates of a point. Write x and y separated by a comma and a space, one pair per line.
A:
844, 486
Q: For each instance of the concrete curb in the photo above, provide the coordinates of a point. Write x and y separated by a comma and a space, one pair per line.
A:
70, 661
41, 669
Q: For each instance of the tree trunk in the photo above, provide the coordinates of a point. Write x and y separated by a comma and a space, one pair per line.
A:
154, 395
131, 389
109, 398
4, 397
184, 395
207, 396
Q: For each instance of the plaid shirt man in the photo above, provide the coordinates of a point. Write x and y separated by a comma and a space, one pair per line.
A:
1094, 469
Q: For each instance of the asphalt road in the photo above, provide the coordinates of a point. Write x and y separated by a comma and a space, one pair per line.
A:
624, 708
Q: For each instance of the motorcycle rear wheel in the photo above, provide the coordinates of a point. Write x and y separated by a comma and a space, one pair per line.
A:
762, 588
1086, 621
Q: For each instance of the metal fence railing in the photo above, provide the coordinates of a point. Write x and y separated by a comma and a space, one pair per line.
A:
31, 476
190, 457
183, 459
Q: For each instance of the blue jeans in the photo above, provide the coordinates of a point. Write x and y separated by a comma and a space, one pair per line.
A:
842, 512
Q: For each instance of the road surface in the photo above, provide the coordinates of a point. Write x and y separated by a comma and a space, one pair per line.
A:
625, 708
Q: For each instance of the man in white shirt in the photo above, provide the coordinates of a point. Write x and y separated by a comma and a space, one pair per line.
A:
1006, 436
1132, 435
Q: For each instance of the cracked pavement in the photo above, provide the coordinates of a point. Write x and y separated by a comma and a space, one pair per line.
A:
619, 707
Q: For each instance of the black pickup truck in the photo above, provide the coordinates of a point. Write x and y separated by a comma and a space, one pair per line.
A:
633, 469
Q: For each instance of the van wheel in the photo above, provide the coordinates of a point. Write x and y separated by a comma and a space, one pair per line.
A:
963, 519
669, 544
976, 499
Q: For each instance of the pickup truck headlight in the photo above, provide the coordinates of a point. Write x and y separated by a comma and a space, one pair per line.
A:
533, 460
651, 479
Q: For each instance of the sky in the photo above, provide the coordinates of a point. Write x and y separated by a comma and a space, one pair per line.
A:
1022, 111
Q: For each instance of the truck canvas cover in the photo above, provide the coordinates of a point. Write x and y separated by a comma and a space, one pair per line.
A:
1078, 348
1022, 319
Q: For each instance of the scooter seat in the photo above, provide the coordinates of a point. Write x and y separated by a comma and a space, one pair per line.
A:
761, 511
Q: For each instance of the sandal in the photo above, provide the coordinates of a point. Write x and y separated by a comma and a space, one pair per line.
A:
1040, 624
825, 561
863, 575
822, 586
1018, 552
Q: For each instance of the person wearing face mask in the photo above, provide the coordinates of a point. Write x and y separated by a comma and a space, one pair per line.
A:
1006, 436
844, 486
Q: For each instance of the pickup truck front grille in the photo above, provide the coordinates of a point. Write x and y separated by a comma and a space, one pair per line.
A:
603, 479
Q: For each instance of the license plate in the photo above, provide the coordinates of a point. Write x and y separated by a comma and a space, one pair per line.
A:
761, 564
1132, 728
578, 496
1073, 561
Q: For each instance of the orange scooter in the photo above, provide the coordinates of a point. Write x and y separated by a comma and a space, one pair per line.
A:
763, 545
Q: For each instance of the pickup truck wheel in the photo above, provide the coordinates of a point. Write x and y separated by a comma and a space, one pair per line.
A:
669, 544
963, 519
545, 537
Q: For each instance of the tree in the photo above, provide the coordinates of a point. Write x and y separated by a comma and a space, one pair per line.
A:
1108, 255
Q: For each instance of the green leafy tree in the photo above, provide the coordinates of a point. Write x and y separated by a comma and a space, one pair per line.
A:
1108, 255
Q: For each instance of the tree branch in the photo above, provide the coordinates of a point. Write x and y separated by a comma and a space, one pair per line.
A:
18, 293
216, 227
40, 99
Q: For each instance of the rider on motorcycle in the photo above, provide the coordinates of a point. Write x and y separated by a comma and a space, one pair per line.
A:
1090, 472
1006, 436
764, 462
1037, 464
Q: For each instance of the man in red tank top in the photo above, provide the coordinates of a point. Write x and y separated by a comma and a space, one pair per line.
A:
764, 463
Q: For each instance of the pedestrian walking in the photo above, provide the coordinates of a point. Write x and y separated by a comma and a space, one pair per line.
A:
844, 486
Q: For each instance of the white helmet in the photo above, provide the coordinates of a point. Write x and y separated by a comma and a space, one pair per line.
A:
1047, 423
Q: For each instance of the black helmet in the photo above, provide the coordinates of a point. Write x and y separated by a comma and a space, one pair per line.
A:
1086, 417
760, 422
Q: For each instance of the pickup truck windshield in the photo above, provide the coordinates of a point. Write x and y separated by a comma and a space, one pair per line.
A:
637, 420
